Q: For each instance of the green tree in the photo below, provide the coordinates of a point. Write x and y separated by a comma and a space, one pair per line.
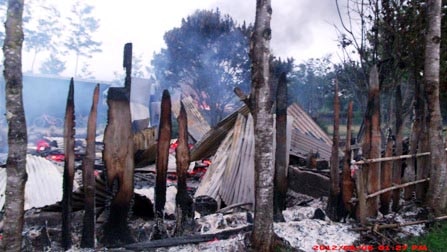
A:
52, 65
82, 25
42, 31
206, 57
310, 85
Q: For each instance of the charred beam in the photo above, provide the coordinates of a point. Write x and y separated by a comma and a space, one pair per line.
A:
118, 157
281, 158
347, 180
184, 202
181, 240
88, 177
386, 176
69, 167
164, 141
334, 209
372, 141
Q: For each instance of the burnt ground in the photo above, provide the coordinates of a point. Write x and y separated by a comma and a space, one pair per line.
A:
42, 230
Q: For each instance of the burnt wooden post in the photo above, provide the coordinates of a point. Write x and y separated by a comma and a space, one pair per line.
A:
347, 181
372, 143
88, 177
386, 176
333, 208
164, 141
361, 211
69, 167
281, 158
119, 159
184, 202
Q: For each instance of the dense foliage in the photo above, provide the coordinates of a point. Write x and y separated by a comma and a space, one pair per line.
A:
206, 57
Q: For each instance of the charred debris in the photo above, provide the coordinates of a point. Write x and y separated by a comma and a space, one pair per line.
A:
139, 172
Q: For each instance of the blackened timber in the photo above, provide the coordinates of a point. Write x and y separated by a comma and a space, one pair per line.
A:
371, 146
184, 202
281, 152
333, 209
88, 177
164, 141
386, 176
69, 167
118, 157
127, 64
347, 180
192, 239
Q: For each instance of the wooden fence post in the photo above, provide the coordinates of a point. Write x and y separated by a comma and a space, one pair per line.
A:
69, 166
347, 180
88, 177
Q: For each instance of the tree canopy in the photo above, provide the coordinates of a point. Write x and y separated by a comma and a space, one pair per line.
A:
206, 57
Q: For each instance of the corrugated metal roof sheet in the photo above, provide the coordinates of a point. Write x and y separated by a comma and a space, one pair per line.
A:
44, 184
307, 135
210, 142
230, 176
197, 125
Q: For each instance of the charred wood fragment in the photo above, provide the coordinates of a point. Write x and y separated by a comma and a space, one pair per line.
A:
335, 204
69, 167
281, 158
164, 141
88, 177
184, 203
118, 157
386, 176
347, 180
371, 146
181, 240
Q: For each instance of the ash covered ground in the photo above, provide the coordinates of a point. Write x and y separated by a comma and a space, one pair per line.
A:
306, 227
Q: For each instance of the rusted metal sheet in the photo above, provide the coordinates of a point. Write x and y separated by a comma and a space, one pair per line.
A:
209, 143
197, 125
307, 136
230, 177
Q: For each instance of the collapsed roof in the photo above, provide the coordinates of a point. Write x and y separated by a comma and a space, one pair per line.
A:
230, 177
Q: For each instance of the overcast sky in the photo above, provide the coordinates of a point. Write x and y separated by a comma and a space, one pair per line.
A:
301, 28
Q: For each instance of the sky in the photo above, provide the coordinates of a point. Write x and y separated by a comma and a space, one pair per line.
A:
301, 29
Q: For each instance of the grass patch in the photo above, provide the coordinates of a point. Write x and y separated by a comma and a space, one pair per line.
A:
435, 240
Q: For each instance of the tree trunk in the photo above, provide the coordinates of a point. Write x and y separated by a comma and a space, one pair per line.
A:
164, 141
372, 143
333, 209
69, 167
281, 158
437, 191
17, 136
184, 202
88, 177
261, 109
347, 180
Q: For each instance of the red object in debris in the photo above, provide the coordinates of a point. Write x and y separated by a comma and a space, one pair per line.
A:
59, 157
42, 145
174, 145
